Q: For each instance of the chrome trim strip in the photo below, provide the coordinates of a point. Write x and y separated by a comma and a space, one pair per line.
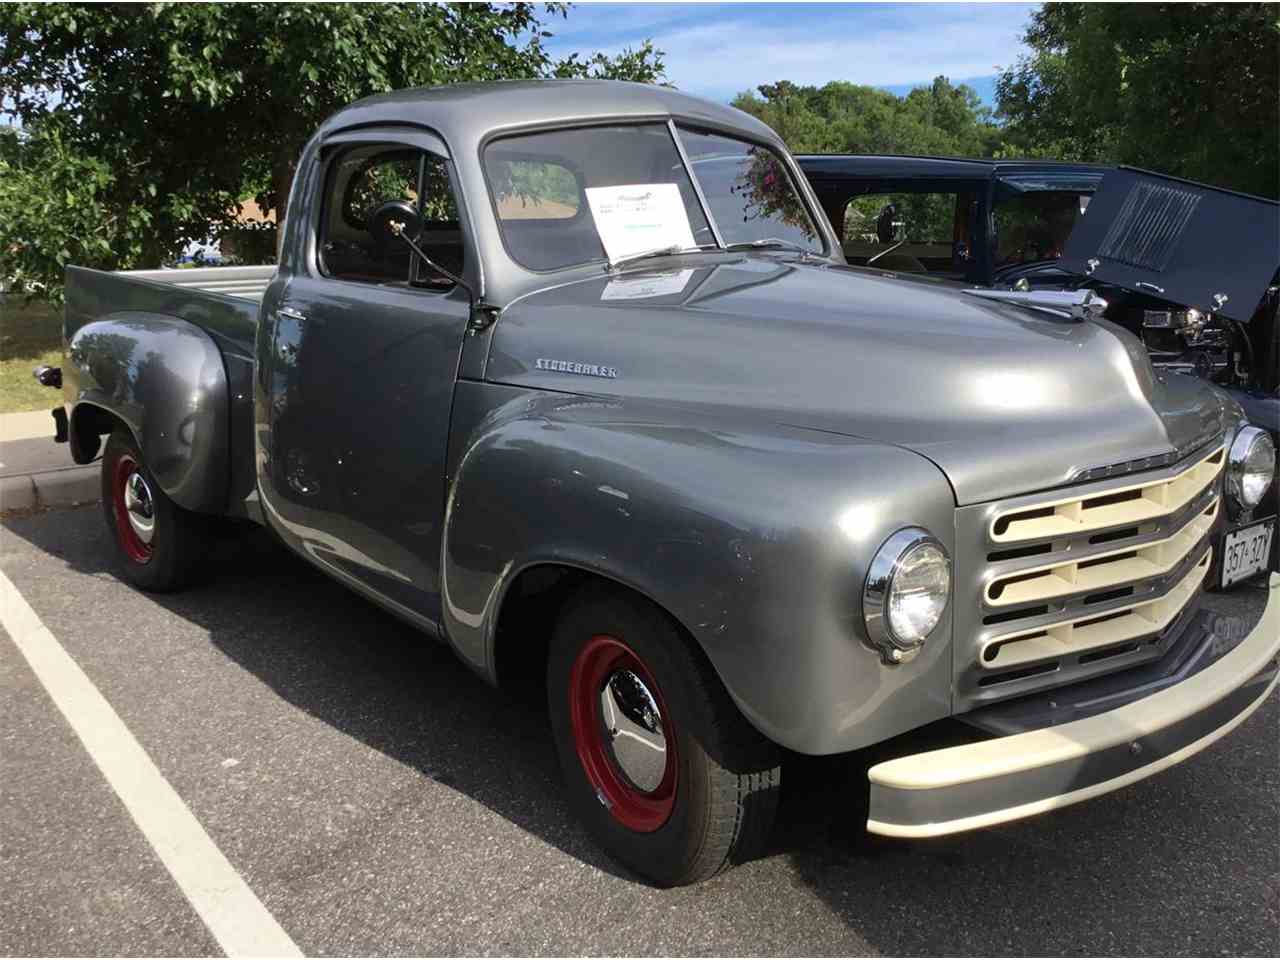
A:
1109, 471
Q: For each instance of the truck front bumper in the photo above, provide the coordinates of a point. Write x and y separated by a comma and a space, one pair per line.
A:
1011, 777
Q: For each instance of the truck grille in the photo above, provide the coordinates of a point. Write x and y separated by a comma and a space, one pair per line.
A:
1082, 581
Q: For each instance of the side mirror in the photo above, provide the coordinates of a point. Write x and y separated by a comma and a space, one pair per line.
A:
398, 220
889, 229
400, 212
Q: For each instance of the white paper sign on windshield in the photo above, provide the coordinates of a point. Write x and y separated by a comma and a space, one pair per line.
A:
639, 217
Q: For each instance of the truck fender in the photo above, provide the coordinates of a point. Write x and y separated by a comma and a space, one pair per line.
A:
164, 379
755, 537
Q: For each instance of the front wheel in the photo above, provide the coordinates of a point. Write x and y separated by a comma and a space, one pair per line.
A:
160, 546
659, 763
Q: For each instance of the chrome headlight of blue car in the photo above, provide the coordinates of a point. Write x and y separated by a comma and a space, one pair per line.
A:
907, 589
1251, 466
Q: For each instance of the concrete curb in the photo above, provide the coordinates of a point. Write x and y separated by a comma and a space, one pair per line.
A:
64, 487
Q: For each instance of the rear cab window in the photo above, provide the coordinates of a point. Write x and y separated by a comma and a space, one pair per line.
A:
535, 190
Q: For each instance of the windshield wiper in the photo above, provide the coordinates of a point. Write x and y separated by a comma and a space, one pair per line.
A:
668, 251
770, 242
675, 250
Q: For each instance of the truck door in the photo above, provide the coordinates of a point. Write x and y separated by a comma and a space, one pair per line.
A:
363, 351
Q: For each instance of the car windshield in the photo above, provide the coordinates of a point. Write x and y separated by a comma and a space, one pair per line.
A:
568, 197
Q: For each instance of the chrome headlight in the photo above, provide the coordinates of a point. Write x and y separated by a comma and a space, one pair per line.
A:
907, 589
1251, 465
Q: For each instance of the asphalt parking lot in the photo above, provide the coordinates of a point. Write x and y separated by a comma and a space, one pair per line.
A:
380, 799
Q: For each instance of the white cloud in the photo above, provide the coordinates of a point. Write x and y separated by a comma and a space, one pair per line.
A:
737, 50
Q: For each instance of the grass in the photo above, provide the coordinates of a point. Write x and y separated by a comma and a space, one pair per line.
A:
30, 334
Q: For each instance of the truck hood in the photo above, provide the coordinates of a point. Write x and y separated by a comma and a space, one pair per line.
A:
1004, 400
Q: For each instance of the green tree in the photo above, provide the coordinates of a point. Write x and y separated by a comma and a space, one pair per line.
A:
182, 109
1189, 89
840, 117
58, 206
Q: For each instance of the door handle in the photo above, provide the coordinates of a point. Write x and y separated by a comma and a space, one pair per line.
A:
298, 317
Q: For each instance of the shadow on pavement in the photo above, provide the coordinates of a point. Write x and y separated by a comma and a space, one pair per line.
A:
1125, 874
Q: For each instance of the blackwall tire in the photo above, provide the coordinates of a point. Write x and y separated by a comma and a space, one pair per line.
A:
159, 546
711, 802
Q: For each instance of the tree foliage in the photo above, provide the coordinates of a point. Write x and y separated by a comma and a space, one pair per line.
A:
942, 119
180, 110
60, 206
1189, 89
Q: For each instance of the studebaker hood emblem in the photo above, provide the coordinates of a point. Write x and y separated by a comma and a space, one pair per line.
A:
576, 368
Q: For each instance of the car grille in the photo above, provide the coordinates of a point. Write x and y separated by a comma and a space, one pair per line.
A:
1084, 580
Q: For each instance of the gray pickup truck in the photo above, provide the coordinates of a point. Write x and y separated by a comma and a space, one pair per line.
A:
574, 376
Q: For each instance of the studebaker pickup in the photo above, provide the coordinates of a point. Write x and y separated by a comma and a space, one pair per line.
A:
575, 377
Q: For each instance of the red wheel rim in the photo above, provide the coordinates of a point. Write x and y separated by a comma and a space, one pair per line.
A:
602, 658
135, 548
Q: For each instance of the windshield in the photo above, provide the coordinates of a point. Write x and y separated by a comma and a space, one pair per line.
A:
1034, 226
748, 190
568, 197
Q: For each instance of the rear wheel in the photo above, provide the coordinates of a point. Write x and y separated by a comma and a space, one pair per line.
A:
659, 764
160, 546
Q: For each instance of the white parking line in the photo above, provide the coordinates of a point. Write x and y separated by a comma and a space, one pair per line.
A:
234, 915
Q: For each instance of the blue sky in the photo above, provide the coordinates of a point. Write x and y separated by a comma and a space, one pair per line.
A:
719, 49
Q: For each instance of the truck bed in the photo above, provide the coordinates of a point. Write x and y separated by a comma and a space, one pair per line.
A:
223, 301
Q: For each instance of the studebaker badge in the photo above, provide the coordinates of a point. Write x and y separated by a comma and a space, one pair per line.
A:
581, 369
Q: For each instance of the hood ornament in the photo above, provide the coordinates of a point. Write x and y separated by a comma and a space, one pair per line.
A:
1079, 305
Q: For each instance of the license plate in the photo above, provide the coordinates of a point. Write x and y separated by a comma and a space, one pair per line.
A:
1245, 551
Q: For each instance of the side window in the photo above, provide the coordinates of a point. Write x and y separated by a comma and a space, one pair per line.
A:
535, 190
914, 232
366, 187
373, 181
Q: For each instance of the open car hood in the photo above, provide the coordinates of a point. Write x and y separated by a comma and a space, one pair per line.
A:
1181, 241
